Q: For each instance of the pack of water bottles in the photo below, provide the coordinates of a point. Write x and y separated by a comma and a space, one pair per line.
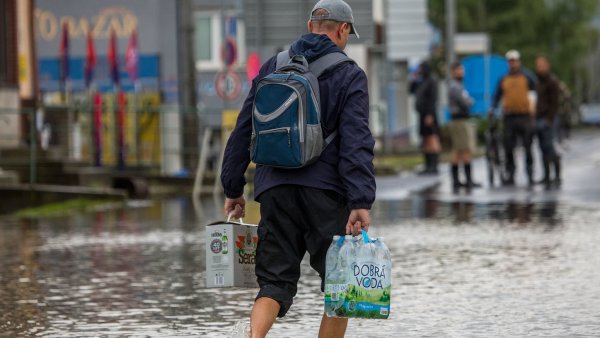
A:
358, 278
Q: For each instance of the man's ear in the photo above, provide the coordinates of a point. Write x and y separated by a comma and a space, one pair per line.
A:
342, 28
340, 31
310, 26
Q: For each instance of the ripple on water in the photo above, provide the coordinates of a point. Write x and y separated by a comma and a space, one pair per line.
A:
489, 276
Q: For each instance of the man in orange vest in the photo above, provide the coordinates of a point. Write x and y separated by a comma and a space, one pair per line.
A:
514, 93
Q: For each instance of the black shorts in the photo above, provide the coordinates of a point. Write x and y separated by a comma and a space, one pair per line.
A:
428, 130
294, 220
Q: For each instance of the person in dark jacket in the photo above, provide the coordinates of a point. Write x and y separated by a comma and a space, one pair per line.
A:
565, 118
302, 209
547, 108
462, 131
513, 91
425, 91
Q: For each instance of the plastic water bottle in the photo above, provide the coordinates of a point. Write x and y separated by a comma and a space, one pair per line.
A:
385, 256
366, 256
385, 259
334, 277
348, 253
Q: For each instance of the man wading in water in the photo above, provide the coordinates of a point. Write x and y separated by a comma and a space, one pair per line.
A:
302, 209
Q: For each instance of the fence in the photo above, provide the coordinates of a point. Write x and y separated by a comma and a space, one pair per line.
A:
129, 133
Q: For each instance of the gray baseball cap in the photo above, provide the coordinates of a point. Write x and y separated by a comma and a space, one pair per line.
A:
338, 10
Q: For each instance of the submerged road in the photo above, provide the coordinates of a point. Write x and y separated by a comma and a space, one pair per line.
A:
497, 262
581, 179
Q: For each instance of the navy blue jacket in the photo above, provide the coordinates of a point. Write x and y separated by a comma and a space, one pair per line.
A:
346, 165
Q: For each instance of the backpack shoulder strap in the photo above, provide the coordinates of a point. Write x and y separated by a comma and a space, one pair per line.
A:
325, 62
319, 66
283, 58
330, 138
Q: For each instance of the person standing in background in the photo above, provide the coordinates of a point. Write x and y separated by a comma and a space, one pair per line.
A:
425, 90
547, 108
462, 131
513, 91
565, 112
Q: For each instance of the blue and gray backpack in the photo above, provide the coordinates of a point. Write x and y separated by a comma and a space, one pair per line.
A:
286, 116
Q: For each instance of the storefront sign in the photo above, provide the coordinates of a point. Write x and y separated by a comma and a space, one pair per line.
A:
119, 19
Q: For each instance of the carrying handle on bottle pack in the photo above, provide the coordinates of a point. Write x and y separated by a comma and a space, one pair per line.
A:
365, 236
230, 216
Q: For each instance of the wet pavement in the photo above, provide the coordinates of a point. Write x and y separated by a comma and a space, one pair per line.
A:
495, 262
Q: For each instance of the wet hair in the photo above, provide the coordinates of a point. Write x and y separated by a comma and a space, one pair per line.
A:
320, 26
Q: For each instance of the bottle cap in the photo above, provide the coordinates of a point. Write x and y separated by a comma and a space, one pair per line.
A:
336, 237
348, 237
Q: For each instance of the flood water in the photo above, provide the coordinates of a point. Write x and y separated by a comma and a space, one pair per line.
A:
460, 269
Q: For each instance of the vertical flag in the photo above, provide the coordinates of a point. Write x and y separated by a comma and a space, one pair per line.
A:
64, 53
113, 58
132, 57
90, 60
98, 130
121, 121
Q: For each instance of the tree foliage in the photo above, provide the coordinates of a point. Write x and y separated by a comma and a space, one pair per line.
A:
560, 29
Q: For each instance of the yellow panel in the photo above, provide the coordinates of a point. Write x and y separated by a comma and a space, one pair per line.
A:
229, 118
149, 129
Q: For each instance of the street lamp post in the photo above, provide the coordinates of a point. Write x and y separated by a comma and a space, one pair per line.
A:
450, 32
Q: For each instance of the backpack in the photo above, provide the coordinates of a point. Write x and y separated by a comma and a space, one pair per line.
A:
286, 113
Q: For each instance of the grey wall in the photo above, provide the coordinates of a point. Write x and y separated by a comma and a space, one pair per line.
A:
276, 23
408, 32
155, 21
269, 25
217, 4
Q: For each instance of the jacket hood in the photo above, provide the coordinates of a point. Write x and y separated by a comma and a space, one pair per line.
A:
425, 69
312, 46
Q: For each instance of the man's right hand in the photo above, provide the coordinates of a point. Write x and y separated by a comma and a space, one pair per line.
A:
235, 207
358, 220
429, 120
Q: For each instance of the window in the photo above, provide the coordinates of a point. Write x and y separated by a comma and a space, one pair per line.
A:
208, 39
203, 39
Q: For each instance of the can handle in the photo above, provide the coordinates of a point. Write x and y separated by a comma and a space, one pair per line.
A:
365, 236
340, 241
230, 217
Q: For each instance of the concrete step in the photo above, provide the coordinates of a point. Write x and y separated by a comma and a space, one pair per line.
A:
8, 177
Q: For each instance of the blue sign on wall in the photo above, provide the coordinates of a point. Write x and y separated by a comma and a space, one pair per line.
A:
49, 74
482, 74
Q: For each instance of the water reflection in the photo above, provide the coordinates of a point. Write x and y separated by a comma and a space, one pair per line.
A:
460, 269
21, 302
548, 213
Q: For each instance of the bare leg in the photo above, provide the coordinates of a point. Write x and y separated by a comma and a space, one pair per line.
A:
467, 157
332, 327
455, 157
264, 313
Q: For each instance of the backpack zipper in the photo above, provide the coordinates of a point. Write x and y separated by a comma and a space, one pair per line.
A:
277, 131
